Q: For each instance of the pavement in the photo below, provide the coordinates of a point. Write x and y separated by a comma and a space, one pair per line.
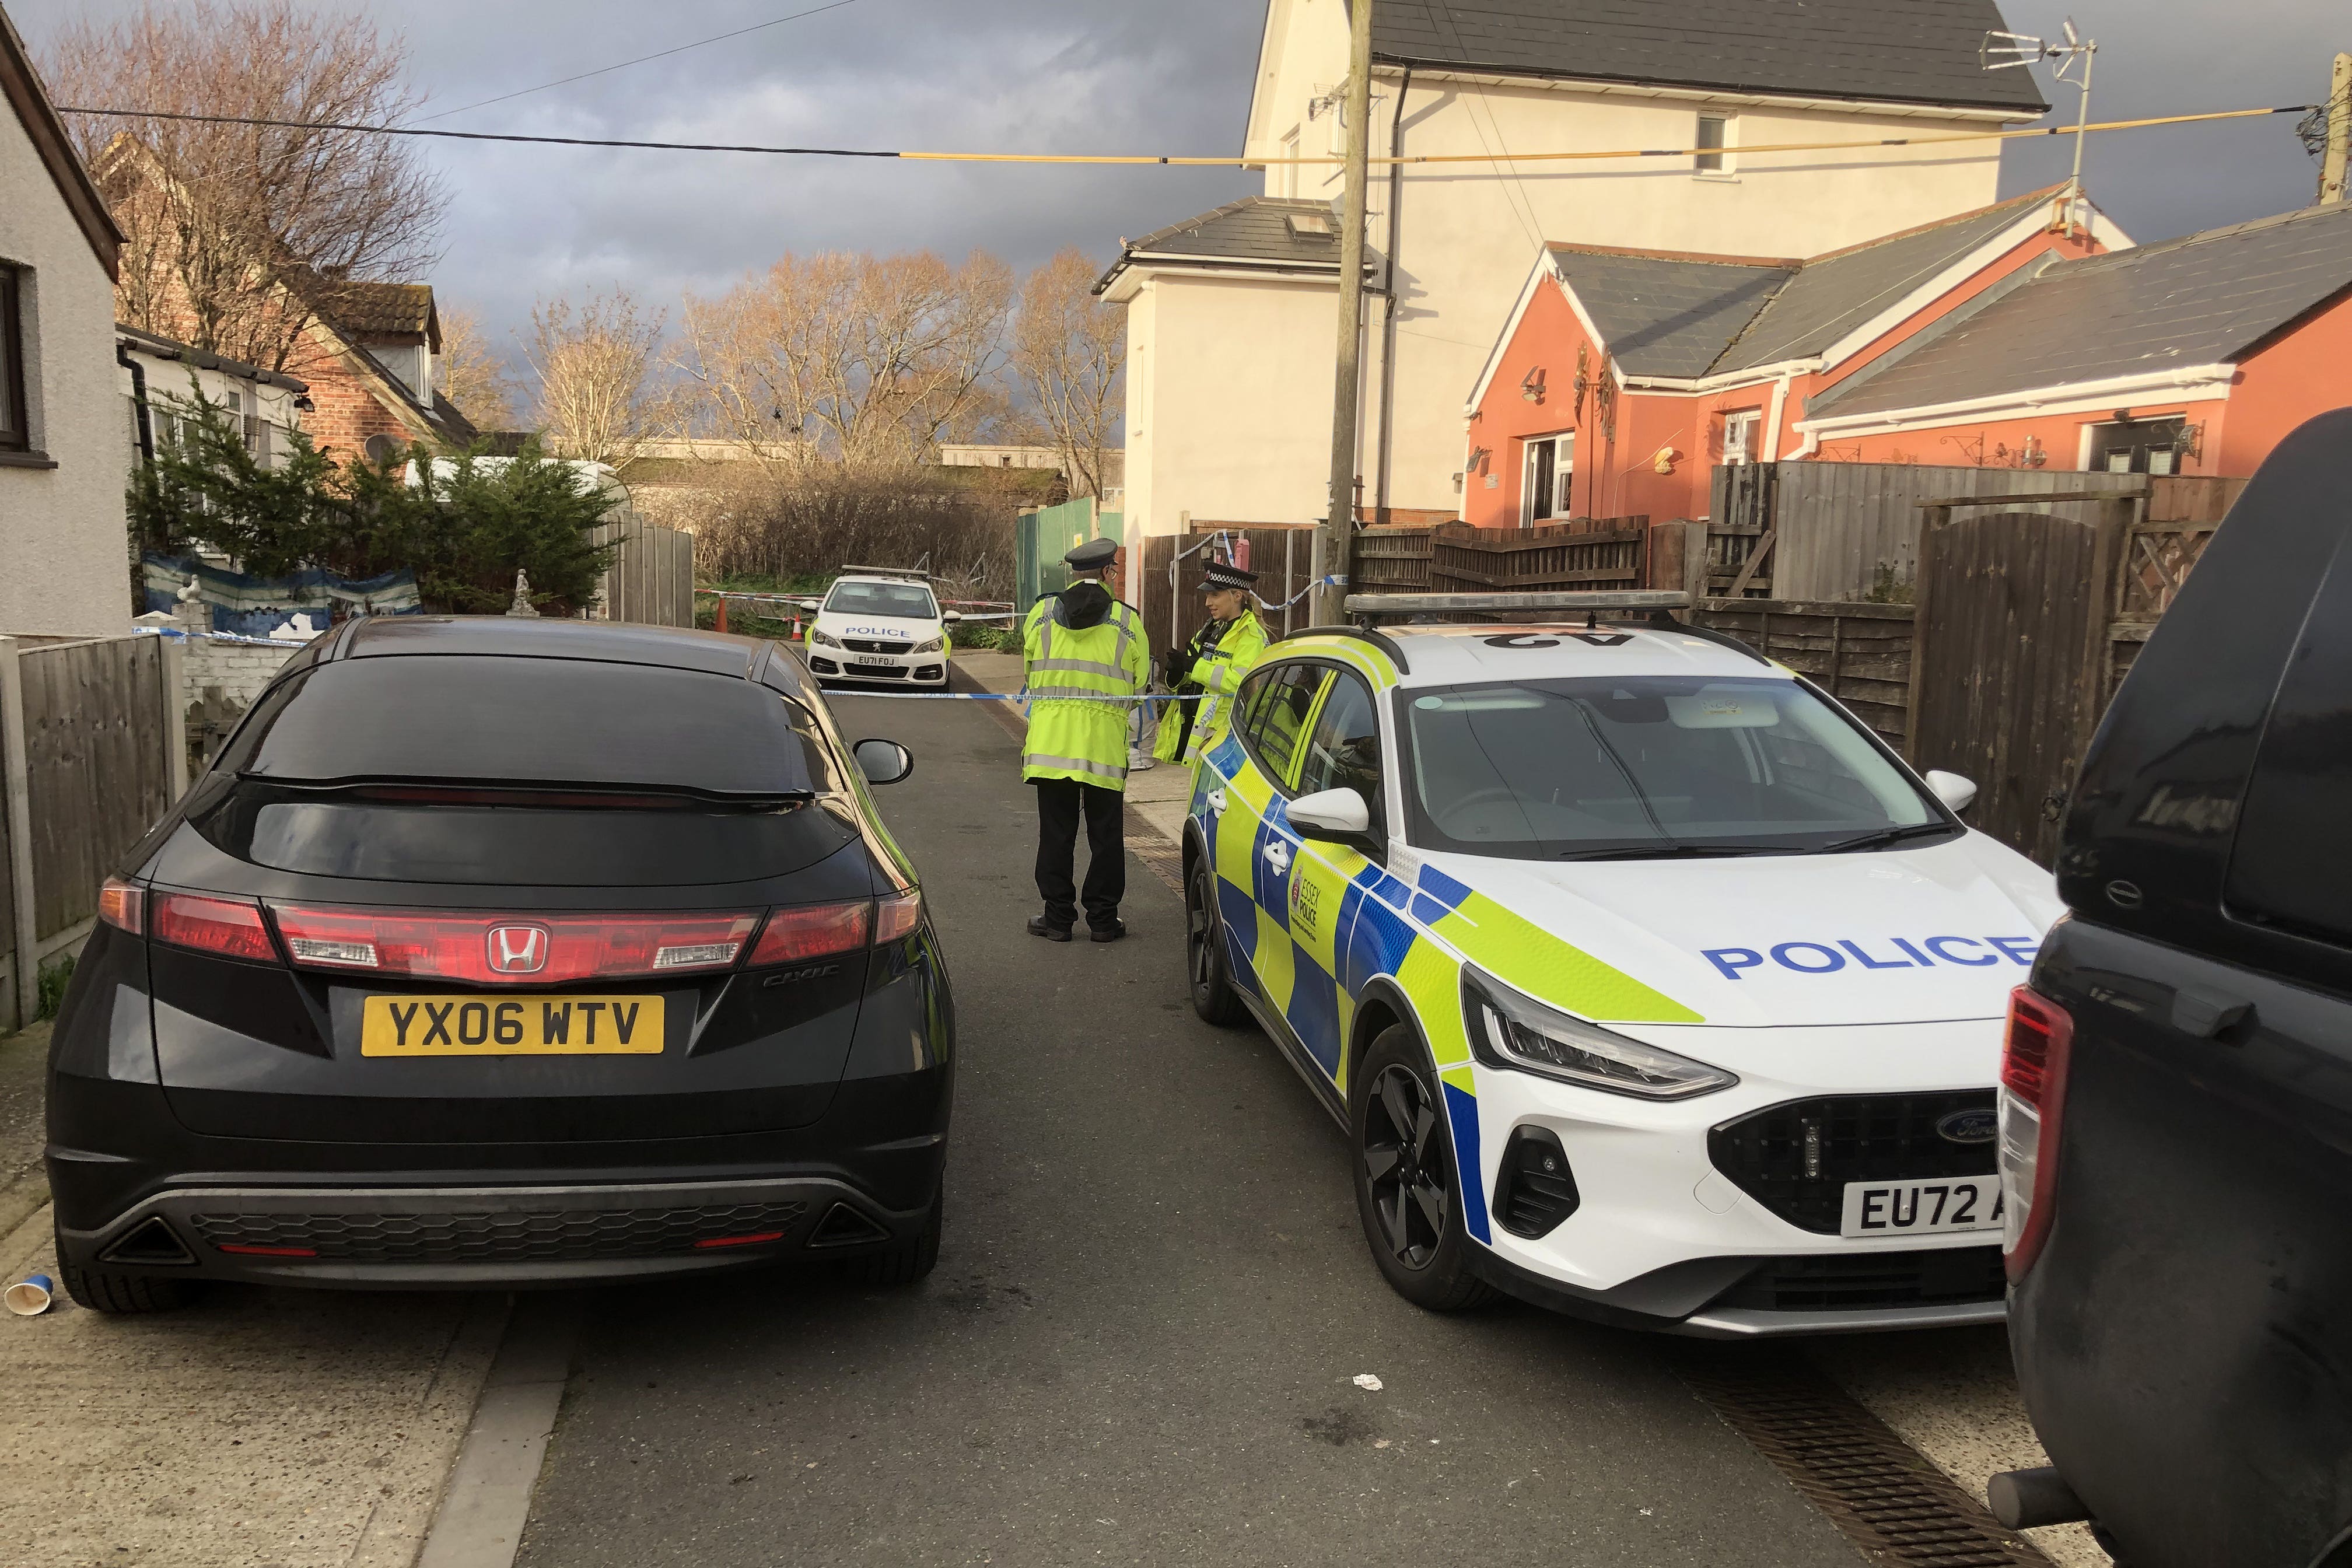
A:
1141, 1345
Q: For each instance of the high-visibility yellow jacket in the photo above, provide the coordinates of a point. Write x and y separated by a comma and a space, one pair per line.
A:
1237, 650
1081, 650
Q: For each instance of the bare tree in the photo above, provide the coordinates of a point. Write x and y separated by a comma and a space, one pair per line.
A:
239, 234
868, 360
593, 364
473, 375
1069, 349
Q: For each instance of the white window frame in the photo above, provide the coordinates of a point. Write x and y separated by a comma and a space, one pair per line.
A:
1562, 460
1749, 424
1286, 176
1726, 155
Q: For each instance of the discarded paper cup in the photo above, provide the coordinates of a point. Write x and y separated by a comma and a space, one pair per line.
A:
30, 1296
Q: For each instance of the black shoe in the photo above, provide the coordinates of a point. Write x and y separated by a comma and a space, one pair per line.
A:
1111, 932
1039, 926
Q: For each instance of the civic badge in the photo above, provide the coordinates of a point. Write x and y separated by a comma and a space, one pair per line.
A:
517, 949
1973, 1126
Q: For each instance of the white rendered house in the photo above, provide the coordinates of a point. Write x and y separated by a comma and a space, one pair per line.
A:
1231, 315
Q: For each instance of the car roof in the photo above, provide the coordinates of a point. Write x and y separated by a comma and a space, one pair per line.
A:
523, 636
1564, 649
878, 577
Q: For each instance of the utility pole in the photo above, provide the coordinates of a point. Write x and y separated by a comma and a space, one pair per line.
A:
1338, 532
2335, 163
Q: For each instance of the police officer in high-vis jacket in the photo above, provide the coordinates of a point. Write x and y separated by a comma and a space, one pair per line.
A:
1083, 660
1209, 668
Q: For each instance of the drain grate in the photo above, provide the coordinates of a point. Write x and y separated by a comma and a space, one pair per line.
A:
1879, 1491
1161, 854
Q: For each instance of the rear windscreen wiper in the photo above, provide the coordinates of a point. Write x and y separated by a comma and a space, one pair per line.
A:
1884, 836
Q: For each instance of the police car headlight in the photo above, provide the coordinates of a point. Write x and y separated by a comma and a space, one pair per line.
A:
822, 640
931, 646
1509, 1030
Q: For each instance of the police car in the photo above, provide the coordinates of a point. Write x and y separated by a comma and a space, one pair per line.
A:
879, 627
1648, 983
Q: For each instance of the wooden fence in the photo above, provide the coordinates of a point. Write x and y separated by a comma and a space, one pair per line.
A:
1850, 531
651, 579
90, 757
1283, 557
1860, 654
1587, 552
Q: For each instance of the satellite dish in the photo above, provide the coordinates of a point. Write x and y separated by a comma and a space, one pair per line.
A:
382, 450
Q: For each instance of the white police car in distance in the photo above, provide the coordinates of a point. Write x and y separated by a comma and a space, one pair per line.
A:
873, 627
1649, 982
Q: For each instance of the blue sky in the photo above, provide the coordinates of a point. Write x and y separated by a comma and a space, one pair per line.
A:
1085, 75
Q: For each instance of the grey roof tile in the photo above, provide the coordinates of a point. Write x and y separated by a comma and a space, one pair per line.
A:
1256, 228
1905, 51
1832, 295
2206, 298
1674, 315
1666, 315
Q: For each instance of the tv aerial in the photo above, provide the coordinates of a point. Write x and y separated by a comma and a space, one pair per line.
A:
2075, 55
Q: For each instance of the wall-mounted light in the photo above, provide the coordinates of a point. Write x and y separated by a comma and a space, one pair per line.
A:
1665, 462
1531, 387
1478, 456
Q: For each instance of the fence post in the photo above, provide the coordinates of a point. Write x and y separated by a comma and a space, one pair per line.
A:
171, 657
16, 786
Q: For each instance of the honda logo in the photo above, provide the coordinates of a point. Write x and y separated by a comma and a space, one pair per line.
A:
517, 949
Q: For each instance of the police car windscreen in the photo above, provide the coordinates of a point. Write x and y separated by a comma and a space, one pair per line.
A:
1588, 767
910, 600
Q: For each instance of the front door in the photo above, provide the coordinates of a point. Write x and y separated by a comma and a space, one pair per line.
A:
1256, 851
1342, 752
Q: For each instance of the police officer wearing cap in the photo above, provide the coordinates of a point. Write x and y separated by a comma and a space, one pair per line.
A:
1208, 668
1083, 662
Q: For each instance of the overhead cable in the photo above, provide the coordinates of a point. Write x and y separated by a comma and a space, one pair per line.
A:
1178, 161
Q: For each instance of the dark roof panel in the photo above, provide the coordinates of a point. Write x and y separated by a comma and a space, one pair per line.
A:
1256, 231
1832, 295
1905, 51
2204, 300
1666, 315
524, 637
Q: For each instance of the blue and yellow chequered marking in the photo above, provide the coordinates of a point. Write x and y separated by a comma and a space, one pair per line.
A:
1312, 940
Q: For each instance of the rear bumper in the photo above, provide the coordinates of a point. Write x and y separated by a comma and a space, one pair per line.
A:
396, 1237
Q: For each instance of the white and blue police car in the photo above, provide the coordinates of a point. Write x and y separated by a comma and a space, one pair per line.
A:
879, 627
1649, 982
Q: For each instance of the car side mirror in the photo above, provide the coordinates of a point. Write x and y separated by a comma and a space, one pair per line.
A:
1338, 815
1953, 790
883, 762
951, 616
811, 606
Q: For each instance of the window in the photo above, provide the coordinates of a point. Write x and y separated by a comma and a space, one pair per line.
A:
1276, 720
2285, 868
911, 600
2136, 446
15, 420
1551, 470
1739, 432
1639, 765
1285, 176
1344, 753
1713, 137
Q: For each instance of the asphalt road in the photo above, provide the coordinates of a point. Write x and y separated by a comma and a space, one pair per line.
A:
1140, 1343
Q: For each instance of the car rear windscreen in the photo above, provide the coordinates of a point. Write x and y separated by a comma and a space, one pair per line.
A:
479, 838
568, 722
908, 600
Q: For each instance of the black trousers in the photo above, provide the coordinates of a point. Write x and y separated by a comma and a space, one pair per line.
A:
1060, 804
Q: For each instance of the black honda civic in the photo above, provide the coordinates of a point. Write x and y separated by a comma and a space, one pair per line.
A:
508, 951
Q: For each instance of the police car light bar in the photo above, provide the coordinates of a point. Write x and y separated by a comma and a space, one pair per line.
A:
1443, 604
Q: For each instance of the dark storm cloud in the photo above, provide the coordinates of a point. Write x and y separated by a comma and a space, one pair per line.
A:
1084, 75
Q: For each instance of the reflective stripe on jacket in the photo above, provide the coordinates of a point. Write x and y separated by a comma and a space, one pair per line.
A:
1237, 650
1074, 731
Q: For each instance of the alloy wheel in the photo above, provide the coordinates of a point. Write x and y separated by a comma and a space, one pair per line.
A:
1199, 930
1407, 1166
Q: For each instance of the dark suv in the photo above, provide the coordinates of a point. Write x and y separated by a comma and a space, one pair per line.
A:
2177, 1116
500, 951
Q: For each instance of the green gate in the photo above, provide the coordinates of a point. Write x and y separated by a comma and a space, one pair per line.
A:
1043, 537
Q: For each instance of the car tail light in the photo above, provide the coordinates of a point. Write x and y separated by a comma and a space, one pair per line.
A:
123, 905
2033, 1063
229, 926
802, 931
896, 915
511, 948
